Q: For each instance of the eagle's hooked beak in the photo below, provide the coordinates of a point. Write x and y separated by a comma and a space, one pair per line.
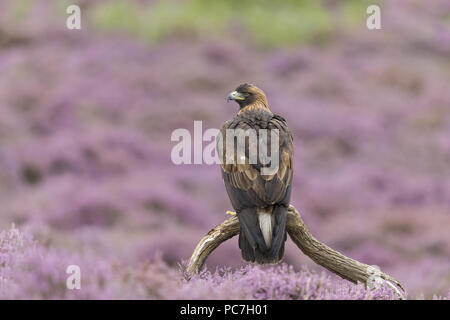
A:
235, 96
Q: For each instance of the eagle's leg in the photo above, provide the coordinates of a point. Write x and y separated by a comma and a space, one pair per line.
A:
231, 213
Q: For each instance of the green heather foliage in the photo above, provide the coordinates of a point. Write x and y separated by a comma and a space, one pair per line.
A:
270, 23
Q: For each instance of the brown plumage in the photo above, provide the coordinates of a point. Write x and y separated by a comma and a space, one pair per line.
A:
260, 198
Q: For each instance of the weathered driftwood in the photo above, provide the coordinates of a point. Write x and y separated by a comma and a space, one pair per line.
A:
320, 253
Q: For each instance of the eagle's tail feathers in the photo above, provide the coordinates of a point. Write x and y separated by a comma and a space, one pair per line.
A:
265, 221
249, 224
252, 240
279, 232
248, 252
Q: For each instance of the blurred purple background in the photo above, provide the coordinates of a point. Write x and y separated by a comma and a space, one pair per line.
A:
86, 118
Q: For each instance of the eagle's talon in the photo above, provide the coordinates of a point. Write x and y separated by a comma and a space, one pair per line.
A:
231, 213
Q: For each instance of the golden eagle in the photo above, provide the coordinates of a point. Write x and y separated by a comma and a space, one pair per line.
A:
259, 190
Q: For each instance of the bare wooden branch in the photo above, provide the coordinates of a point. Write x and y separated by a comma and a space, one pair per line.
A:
224, 231
328, 258
320, 253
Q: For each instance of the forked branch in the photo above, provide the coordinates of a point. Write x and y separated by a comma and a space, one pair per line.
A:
320, 253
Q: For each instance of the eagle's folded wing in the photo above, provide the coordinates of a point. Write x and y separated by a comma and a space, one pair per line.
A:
244, 182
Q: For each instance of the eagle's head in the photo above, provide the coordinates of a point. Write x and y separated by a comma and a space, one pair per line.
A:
248, 94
